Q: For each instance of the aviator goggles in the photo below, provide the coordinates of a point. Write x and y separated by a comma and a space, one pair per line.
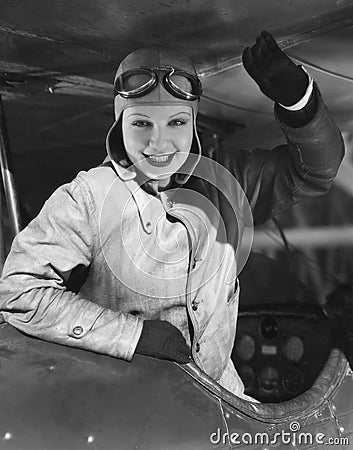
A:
139, 82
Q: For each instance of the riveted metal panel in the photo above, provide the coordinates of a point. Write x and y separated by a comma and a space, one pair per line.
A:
55, 397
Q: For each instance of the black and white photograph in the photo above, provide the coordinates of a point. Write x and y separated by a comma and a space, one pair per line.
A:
176, 224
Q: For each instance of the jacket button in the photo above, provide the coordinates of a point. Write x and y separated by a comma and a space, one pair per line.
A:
197, 348
77, 330
170, 203
194, 306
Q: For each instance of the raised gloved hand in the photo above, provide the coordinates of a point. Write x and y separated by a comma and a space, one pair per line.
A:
161, 339
276, 74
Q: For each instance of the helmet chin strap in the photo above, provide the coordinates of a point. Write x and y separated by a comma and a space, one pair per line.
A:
153, 186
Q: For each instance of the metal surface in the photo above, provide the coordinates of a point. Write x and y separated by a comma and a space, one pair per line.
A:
211, 32
2, 232
305, 237
342, 406
11, 195
55, 397
330, 424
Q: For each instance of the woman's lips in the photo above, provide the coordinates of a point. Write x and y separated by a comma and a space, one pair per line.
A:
159, 160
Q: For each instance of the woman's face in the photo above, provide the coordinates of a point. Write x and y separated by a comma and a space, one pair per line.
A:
158, 138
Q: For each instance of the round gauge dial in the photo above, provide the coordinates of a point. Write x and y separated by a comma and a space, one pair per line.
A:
269, 328
269, 378
293, 381
245, 347
293, 349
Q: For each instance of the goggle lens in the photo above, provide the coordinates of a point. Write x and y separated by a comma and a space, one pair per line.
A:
135, 81
182, 83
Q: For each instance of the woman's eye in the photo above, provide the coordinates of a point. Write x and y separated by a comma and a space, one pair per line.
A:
177, 122
141, 123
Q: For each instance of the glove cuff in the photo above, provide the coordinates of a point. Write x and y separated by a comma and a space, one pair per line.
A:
305, 99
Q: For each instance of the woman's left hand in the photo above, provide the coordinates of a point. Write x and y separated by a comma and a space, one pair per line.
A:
276, 74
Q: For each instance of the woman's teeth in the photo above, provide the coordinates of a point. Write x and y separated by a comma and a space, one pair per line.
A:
160, 159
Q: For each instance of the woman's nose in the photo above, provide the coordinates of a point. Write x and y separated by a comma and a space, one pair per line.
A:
159, 139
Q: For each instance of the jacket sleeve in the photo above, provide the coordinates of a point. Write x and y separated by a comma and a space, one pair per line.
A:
303, 167
33, 295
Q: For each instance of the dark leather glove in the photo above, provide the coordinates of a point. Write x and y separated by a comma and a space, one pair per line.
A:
161, 339
276, 74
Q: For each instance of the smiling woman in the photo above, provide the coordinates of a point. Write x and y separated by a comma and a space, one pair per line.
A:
158, 137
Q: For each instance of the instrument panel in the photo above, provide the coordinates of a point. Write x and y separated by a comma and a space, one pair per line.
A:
279, 354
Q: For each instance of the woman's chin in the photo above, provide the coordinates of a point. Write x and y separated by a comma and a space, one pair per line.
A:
157, 173
164, 182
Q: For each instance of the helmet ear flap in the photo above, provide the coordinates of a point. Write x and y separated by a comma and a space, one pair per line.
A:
194, 145
116, 144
